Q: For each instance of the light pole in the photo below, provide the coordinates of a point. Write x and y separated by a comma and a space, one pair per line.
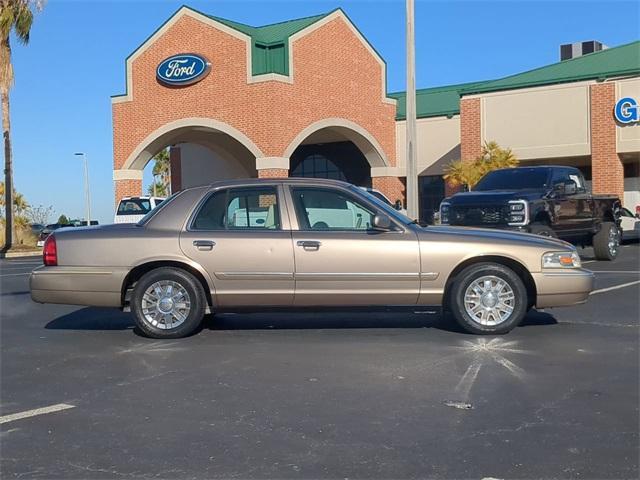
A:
87, 194
412, 154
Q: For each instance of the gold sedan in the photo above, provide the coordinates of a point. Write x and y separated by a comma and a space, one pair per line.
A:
300, 244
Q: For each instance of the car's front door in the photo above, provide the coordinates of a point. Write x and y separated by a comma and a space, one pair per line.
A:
241, 236
341, 260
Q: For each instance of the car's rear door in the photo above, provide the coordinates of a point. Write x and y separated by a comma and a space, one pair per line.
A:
340, 260
241, 236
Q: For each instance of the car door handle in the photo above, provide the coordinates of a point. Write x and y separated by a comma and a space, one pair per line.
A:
309, 244
204, 244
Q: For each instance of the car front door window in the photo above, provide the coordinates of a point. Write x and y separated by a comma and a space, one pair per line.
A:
330, 210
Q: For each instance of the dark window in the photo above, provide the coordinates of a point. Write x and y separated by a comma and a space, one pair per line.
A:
631, 169
514, 179
239, 209
565, 51
431, 189
324, 209
587, 47
336, 161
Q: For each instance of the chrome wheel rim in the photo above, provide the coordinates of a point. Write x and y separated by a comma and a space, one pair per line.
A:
614, 241
166, 304
489, 300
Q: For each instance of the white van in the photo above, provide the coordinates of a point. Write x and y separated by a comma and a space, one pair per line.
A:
132, 209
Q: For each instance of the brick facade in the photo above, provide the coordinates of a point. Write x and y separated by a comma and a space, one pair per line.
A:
606, 167
273, 173
127, 188
334, 75
470, 129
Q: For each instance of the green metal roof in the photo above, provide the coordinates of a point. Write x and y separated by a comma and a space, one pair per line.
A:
608, 63
612, 62
270, 43
433, 102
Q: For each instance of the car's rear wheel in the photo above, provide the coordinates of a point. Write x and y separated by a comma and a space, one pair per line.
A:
168, 303
488, 298
606, 242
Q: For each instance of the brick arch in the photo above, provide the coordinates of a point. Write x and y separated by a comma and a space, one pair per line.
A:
367, 143
165, 134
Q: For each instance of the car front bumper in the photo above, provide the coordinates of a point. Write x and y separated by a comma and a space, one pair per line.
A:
95, 286
563, 288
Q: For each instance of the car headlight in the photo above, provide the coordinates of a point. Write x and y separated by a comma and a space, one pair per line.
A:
518, 212
444, 213
561, 260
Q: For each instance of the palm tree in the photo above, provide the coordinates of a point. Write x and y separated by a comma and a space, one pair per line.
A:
162, 169
15, 16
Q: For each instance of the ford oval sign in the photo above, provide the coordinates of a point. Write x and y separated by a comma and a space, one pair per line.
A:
184, 69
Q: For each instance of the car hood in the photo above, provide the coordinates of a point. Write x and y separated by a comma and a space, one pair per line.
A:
493, 236
493, 196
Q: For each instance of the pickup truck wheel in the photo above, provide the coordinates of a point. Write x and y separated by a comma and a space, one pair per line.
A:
606, 242
542, 229
488, 298
168, 303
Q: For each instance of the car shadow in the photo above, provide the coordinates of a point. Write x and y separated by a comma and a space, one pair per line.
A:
94, 318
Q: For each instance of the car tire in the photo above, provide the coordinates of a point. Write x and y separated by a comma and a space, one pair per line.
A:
494, 320
606, 243
168, 302
542, 229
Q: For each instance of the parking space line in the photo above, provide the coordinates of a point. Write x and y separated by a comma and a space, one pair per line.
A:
15, 274
615, 287
36, 411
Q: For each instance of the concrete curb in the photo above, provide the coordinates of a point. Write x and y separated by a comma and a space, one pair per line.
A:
18, 254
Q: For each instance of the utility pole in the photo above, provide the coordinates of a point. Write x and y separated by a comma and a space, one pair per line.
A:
87, 193
412, 154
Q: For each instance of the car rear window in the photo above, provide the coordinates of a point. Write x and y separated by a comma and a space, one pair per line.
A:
134, 206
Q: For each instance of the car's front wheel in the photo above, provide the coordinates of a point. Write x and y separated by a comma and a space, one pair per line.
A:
168, 303
488, 298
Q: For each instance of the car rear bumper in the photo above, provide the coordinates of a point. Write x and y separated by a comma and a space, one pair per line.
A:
563, 288
96, 286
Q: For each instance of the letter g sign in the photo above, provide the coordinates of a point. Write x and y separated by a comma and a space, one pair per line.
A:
626, 110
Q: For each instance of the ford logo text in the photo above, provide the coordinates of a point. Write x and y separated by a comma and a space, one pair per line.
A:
184, 69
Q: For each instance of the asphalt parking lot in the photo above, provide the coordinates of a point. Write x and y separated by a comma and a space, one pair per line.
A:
382, 395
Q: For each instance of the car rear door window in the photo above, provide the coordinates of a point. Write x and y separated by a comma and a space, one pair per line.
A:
239, 209
326, 209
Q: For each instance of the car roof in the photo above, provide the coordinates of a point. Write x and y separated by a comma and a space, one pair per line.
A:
288, 180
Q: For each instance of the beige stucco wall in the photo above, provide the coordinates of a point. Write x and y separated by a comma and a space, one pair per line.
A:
536, 123
438, 139
201, 165
628, 136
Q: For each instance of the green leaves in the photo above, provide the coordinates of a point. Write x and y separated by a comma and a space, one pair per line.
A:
493, 157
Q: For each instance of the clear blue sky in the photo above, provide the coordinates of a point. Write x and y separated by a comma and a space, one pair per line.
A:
75, 62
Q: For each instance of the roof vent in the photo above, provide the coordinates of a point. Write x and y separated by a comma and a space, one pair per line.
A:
578, 49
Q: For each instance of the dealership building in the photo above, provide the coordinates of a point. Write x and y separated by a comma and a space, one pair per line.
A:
308, 97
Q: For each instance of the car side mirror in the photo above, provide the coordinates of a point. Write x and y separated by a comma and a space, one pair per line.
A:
559, 189
570, 188
381, 223
398, 205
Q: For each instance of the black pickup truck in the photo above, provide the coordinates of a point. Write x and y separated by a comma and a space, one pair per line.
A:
545, 200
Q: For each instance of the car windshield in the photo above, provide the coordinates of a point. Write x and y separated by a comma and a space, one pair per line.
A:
379, 196
134, 206
388, 209
514, 179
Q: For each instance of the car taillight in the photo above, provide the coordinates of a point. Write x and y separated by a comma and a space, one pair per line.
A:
50, 252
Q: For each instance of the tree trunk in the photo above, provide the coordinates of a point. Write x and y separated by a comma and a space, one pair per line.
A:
8, 166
